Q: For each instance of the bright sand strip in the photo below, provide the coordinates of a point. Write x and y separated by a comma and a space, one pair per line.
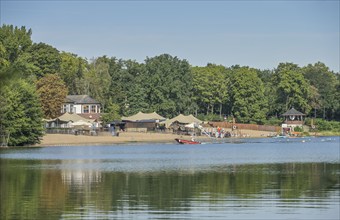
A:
126, 137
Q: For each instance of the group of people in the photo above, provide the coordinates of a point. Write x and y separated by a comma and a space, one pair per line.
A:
219, 133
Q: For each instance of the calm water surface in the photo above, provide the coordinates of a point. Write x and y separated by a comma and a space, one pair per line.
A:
241, 179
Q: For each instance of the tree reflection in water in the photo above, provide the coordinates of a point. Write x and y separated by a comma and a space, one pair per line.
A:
30, 190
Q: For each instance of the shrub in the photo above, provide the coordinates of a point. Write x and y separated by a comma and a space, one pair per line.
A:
298, 129
323, 125
209, 117
273, 121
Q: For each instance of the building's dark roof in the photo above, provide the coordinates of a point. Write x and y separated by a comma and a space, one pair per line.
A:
292, 111
80, 99
67, 100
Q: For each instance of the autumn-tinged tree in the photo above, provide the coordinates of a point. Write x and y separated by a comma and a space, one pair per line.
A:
52, 92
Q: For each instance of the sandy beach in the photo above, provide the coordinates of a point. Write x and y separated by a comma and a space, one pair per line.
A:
126, 137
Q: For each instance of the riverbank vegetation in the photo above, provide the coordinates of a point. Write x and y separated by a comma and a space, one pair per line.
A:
164, 83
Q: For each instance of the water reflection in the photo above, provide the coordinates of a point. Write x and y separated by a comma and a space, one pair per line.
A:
240, 191
78, 176
262, 179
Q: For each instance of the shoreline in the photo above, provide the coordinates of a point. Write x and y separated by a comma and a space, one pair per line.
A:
127, 138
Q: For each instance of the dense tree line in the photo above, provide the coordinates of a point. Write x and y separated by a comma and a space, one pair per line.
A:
164, 83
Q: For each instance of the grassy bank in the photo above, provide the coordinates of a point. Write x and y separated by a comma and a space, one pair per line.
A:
328, 133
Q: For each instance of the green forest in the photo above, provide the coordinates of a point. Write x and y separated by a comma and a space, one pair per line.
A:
36, 77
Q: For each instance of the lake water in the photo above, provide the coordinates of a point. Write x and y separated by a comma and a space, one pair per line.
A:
241, 179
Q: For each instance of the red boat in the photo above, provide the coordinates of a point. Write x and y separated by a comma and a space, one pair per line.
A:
182, 141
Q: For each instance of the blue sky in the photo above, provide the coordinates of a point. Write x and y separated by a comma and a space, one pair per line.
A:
259, 34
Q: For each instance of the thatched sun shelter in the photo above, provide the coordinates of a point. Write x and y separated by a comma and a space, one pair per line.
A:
182, 119
66, 121
183, 124
143, 122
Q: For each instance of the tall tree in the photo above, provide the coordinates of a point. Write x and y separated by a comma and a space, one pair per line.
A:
292, 89
21, 115
266, 77
52, 92
210, 86
315, 101
124, 78
45, 57
3, 61
249, 105
72, 71
169, 85
202, 89
325, 82
14, 41
337, 99
135, 90
99, 81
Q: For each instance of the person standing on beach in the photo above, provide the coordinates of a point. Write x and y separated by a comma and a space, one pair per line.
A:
112, 127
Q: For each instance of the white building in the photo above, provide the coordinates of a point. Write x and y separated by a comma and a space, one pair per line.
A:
82, 105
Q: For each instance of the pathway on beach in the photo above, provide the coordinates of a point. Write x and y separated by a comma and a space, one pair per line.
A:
124, 137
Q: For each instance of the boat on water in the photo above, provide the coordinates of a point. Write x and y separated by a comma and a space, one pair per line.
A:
280, 136
183, 141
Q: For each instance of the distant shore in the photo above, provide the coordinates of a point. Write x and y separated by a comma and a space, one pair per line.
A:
127, 137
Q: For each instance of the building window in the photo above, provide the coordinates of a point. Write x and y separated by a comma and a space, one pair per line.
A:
71, 109
64, 109
85, 109
93, 109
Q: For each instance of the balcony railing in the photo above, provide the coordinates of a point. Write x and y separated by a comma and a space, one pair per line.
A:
294, 122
